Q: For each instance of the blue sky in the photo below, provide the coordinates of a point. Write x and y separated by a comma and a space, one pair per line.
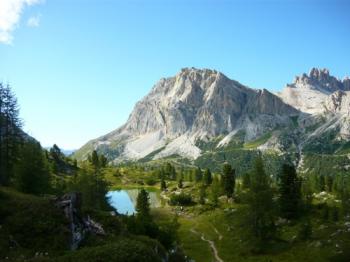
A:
79, 66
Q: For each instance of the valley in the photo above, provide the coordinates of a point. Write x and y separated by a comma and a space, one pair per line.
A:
205, 169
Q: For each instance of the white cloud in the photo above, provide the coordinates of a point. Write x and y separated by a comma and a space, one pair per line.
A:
10, 13
33, 21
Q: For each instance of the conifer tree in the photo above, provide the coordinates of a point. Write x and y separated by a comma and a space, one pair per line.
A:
202, 194
260, 216
180, 184
32, 174
95, 159
10, 133
198, 175
215, 191
289, 192
102, 161
162, 185
228, 180
143, 205
207, 177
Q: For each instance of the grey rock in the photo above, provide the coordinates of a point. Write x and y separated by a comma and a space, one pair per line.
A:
196, 104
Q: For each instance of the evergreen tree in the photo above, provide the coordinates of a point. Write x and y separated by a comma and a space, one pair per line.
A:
162, 185
102, 161
190, 176
207, 177
215, 191
289, 192
202, 195
228, 180
321, 183
260, 215
180, 175
180, 184
56, 153
32, 174
95, 159
143, 205
10, 133
170, 171
329, 183
92, 185
246, 180
198, 175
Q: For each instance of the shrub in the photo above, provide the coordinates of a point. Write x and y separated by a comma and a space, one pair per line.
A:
151, 181
127, 250
181, 199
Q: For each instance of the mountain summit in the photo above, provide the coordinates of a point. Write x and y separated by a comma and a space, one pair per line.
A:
203, 116
309, 92
193, 106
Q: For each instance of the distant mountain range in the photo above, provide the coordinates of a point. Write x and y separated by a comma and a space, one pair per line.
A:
66, 152
200, 112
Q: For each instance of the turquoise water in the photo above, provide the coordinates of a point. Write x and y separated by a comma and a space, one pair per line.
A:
124, 201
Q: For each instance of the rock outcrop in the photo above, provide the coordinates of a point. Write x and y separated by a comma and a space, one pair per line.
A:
194, 105
309, 92
79, 225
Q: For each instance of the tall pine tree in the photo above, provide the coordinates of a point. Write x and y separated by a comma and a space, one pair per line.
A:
10, 133
207, 177
260, 215
228, 180
289, 192
143, 205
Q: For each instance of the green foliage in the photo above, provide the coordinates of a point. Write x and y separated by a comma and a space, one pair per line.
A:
150, 181
258, 142
169, 171
163, 185
143, 205
305, 231
92, 185
207, 177
289, 192
215, 191
124, 250
202, 194
32, 173
10, 133
260, 215
94, 159
198, 174
228, 179
246, 180
180, 184
30, 224
181, 199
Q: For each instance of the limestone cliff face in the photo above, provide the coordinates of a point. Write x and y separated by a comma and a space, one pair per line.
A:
196, 104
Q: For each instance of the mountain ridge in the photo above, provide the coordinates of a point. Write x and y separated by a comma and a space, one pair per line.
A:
198, 105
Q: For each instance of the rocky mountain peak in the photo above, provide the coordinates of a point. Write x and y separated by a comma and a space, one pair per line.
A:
322, 80
194, 104
309, 92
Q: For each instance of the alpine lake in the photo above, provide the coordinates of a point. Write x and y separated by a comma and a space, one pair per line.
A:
124, 200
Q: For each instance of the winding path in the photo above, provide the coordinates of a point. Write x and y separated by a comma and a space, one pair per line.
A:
211, 244
218, 233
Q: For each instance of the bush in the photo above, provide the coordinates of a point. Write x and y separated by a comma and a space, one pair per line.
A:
151, 181
181, 200
127, 250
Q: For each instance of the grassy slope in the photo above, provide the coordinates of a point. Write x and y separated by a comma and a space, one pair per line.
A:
232, 243
34, 223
